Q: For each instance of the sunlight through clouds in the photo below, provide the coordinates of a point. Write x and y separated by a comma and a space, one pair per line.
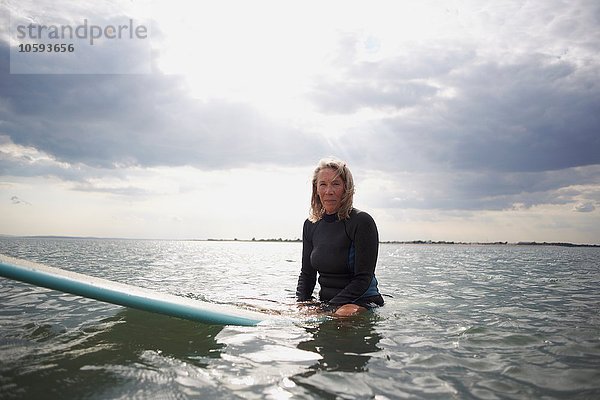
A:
258, 52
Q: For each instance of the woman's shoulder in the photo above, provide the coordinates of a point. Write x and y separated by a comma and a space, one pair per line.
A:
360, 215
358, 218
361, 225
308, 224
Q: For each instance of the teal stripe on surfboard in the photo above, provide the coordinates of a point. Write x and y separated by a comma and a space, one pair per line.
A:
126, 295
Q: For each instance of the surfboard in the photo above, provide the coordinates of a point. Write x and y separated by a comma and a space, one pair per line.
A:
127, 295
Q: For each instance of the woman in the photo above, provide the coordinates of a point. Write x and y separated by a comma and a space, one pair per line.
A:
340, 243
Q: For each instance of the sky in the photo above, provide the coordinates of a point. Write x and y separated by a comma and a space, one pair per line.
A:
460, 120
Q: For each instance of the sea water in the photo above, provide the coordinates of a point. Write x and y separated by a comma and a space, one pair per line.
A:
460, 321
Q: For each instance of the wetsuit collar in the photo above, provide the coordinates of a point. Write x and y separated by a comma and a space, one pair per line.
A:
330, 217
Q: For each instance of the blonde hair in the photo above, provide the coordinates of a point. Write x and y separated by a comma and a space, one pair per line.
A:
341, 169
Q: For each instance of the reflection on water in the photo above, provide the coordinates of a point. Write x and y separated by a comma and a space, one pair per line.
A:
345, 344
138, 330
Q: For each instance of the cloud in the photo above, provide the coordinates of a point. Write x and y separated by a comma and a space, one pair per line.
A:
147, 120
498, 87
17, 200
27, 161
349, 97
476, 191
584, 207
509, 119
532, 113
535, 114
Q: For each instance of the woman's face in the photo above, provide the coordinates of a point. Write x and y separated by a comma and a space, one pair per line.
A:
330, 190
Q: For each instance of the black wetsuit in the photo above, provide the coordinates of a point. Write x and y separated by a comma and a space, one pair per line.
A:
344, 253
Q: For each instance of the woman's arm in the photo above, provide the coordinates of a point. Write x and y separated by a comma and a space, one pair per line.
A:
308, 275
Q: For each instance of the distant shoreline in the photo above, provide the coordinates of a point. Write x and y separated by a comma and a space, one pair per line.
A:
560, 244
280, 240
418, 242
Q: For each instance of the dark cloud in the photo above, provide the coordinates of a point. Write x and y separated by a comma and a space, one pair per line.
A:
391, 83
533, 113
471, 190
495, 134
584, 207
521, 96
147, 120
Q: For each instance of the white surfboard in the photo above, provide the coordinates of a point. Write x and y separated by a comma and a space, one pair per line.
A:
127, 295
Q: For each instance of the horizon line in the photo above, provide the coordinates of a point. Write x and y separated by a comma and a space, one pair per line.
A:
298, 240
